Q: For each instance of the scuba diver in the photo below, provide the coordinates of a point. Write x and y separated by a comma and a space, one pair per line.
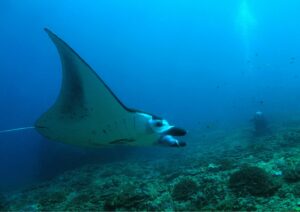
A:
260, 124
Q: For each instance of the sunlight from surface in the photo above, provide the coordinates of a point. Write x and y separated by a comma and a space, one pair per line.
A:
246, 24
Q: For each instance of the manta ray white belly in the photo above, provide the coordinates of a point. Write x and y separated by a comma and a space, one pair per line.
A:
130, 129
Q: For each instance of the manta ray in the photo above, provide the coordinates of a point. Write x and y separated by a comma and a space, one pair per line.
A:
88, 113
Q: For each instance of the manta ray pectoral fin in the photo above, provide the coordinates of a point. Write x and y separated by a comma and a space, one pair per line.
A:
86, 109
88, 113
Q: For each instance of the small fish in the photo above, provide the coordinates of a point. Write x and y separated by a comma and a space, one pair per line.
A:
292, 60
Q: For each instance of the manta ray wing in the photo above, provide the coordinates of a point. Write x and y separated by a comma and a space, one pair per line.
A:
86, 111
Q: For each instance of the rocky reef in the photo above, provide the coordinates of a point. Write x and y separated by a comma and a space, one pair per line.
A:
2, 203
184, 189
216, 171
254, 181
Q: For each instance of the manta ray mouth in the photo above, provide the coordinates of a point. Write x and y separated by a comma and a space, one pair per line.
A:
176, 131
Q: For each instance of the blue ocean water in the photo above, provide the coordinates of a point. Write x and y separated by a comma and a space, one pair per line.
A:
196, 63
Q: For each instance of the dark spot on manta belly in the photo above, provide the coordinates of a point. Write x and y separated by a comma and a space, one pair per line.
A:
122, 141
40, 127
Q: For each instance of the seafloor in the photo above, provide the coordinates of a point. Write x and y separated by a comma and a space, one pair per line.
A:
218, 170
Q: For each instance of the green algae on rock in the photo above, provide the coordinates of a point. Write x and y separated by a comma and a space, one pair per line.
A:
184, 189
252, 180
291, 174
128, 198
2, 203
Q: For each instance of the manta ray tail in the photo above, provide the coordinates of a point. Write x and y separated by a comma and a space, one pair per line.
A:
16, 129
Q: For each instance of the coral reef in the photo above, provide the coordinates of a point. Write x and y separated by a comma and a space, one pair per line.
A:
252, 180
296, 190
226, 164
2, 203
184, 189
291, 138
228, 171
129, 198
292, 173
47, 200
